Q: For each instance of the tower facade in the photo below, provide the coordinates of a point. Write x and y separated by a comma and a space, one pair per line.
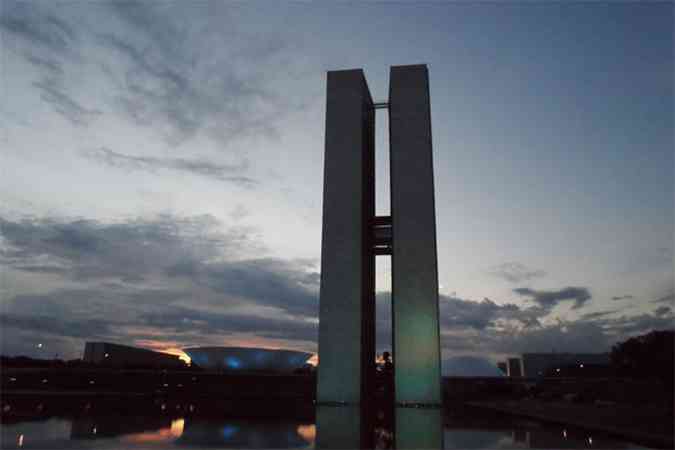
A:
352, 237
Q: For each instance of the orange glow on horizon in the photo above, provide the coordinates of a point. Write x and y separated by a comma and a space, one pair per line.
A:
177, 352
308, 432
174, 348
160, 436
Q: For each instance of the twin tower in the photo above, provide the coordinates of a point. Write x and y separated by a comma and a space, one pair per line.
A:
353, 236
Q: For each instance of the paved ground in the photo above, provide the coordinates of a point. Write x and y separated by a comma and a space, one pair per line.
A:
644, 424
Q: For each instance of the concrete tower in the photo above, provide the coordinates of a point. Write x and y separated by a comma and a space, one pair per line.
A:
353, 236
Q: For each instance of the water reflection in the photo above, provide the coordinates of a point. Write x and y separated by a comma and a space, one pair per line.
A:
246, 434
109, 424
419, 428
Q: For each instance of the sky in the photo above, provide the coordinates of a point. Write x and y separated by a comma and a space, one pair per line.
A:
162, 162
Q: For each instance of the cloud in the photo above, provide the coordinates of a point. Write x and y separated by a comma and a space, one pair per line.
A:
515, 272
272, 282
549, 299
662, 311
458, 313
668, 298
88, 249
222, 172
185, 279
622, 297
64, 104
47, 42
597, 314
163, 66
193, 281
27, 21
168, 77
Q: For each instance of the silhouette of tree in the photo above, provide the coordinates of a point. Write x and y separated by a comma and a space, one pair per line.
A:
649, 355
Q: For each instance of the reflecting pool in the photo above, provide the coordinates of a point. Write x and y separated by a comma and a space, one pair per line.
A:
79, 423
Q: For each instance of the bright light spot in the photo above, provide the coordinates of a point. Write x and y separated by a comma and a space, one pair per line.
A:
565, 434
44, 380
177, 352
163, 406
590, 440
93, 431
20, 440
12, 379
177, 427
91, 382
308, 432
232, 362
107, 355
557, 370
39, 346
581, 365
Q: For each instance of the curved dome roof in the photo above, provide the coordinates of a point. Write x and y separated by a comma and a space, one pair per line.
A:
247, 358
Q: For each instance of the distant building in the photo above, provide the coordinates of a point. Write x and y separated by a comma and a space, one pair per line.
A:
514, 367
247, 359
503, 367
538, 364
124, 355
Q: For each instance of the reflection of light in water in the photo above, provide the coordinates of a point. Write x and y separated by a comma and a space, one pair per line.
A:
308, 432
177, 427
20, 440
229, 431
162, 435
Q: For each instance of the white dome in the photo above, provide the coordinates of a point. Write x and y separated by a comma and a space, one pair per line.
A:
247, 358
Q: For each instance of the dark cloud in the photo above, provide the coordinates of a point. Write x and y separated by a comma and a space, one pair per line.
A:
118, 267
87, 249
549, 299
622, 297
222, 172
597, 314
269, 282
456, 312
184, 320
668, 298
662, 311
191, 281
27, 21
515, 272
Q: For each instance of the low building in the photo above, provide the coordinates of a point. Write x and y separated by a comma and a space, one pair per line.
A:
514, 367
109, 354
503, 367
237, 359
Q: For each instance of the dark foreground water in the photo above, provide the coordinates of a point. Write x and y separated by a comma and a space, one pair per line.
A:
155, 423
